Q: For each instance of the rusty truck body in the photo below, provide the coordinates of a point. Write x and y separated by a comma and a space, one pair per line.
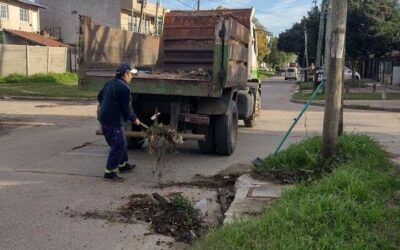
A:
198, 75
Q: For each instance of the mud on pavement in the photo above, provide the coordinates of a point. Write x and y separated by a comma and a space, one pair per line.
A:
173, 213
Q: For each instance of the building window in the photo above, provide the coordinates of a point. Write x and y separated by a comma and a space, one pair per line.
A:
132, 24
23, 15
147, 27
3, 10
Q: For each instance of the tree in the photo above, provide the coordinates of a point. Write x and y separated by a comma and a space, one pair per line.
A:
373, 27
262, 46
262, 41
292, 40
369, 28
277, 57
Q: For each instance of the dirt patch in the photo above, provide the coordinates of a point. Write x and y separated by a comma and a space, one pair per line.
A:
223, 183
173, 216
281, 176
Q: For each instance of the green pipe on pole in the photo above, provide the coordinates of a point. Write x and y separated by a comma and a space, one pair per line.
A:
296, 120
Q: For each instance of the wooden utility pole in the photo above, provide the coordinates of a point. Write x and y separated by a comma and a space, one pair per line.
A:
156, 19
306, 44
306, 52
318, 61
198, 4
341, 117
337, 38
141, 15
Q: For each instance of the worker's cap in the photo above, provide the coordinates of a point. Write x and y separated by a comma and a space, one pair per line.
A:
125, 67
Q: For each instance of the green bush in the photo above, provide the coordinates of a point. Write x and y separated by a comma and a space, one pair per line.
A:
15, 78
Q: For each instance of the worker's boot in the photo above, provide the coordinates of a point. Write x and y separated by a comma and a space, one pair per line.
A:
112, 176
125, 167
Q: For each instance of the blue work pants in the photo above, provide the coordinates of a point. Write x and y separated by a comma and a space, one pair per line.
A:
116, 139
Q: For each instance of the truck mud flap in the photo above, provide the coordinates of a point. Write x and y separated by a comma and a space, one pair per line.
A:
216, 106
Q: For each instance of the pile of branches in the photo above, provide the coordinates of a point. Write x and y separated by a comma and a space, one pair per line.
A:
163, 139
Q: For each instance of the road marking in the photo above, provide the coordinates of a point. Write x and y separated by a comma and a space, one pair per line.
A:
18, 123
84, 154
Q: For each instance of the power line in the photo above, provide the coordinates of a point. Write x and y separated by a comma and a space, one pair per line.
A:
187, 5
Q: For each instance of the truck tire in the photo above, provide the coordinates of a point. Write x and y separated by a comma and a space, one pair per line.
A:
225, 131
245, 105
252, 122
133, 143
207, 146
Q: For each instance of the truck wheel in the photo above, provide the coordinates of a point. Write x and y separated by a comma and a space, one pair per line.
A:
245, 105
133, 143
225, 131
251, 122
207, 146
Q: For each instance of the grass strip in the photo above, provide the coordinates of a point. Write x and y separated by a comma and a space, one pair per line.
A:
266, 74
43, 85
353, 203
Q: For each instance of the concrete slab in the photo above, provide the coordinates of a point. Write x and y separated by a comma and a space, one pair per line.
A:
265, 191
252, 197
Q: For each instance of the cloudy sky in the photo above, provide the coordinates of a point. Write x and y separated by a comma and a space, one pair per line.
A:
275, 15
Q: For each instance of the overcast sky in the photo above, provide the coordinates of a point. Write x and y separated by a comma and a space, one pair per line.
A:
275, 15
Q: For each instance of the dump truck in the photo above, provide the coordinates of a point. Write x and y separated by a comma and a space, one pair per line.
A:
203, 80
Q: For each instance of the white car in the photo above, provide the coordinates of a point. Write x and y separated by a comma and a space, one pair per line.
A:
291, 73
348, 74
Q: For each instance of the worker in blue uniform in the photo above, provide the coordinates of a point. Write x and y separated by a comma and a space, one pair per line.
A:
115, 108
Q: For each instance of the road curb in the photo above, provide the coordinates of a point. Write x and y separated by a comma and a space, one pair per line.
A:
252, 196
42, 98
360, 107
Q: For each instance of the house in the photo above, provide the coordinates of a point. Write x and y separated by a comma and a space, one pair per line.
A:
61, 17
20, 24
152, 16
21, 15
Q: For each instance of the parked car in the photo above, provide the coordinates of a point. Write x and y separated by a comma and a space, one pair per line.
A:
348, 74
291, 73
281, 72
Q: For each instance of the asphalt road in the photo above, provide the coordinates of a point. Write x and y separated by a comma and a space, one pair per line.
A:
52, 167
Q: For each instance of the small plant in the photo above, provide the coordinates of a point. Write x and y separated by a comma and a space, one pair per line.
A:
177, 218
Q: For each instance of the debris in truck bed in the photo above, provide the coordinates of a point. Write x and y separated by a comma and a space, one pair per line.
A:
199, 74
